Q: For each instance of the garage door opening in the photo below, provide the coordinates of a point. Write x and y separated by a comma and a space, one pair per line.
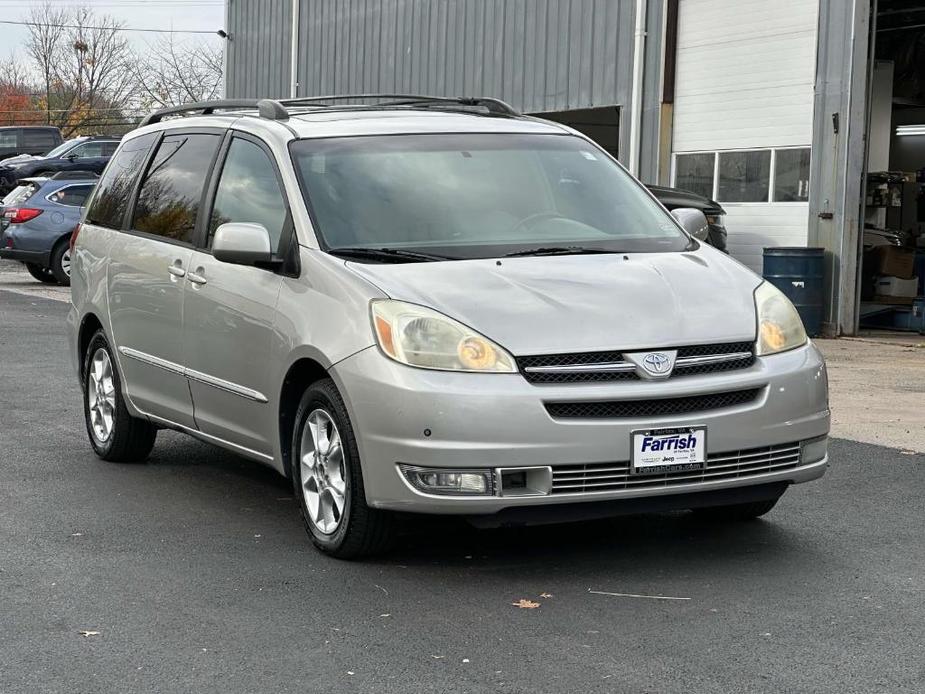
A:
600, 124
892, 261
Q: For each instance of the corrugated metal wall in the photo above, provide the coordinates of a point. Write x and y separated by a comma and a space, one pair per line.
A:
539, 55
258, 52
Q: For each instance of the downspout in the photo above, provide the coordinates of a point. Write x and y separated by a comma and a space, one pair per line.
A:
294, 52
639, 50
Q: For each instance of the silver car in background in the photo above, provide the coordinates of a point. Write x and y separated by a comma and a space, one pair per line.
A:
432, 306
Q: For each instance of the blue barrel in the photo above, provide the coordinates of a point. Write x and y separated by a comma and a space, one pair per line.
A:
799, 273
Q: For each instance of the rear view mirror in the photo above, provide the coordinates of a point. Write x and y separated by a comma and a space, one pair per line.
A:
241, 243
692, 221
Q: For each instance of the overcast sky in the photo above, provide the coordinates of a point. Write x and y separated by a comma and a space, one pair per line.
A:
204, 15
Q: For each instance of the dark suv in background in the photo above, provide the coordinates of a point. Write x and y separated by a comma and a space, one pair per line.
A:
88, 153
28, 139
673, 198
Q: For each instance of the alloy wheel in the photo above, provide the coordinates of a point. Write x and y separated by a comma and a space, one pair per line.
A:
66, 262
322, 467
101, 395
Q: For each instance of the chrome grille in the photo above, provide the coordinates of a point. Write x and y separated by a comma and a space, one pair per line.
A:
579, 367
659, 407
606, 477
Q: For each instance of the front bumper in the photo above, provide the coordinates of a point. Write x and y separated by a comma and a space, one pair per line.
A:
459, 420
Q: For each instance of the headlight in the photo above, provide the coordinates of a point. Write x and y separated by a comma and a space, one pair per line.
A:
779, 324
419, 336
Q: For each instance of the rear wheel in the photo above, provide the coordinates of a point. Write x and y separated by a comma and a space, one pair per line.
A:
42, 274
328, 480
736, 512
61, 263
114, 434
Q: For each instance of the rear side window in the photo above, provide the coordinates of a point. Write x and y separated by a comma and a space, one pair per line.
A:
39, 139
169, 199
73, 196
89, 150
248, 191
114, 189
109, 148
8, 139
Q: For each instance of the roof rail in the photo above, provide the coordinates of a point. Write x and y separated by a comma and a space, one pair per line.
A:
493, 106
266, 108
74, 175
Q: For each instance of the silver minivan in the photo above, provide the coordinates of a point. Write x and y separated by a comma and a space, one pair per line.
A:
432, 306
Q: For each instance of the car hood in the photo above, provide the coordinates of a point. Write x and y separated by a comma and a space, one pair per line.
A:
19, 159
557, 304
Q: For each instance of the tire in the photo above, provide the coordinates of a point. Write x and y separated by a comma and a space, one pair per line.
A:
61, 263
42, 274
736, 512
127, 439
356, 530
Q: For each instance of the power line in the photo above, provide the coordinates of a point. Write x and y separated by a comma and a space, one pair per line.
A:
110, 28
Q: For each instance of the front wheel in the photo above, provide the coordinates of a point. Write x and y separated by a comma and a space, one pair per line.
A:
114, 434
736, 512
328, 480
42, 274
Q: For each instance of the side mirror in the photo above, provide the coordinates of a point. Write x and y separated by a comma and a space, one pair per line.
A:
240, 243
71, 157
692, 221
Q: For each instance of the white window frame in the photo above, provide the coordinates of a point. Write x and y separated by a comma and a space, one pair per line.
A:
772, 178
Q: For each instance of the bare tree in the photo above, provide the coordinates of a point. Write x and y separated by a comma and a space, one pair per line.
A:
86, 67
176, 72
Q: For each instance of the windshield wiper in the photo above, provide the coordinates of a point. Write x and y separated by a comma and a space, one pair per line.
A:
388, 254
558, 250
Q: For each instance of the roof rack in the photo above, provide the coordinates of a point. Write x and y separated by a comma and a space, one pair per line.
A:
266, 108
74, 175
493, 106
273, 109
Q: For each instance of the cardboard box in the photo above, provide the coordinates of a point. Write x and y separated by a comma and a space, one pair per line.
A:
894, 261
892, 290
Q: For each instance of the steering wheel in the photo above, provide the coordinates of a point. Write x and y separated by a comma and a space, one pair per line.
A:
530, 219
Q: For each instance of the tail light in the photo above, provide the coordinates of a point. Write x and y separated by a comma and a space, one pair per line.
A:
74, 237
18, 215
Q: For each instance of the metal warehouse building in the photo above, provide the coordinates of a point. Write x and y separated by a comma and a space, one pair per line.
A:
766, 107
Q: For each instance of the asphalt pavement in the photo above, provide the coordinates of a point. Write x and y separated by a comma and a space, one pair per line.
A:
192, 573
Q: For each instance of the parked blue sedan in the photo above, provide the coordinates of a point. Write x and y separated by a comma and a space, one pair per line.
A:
37, 220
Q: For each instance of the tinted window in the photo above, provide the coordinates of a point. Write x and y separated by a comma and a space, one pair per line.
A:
8, 139
108, 205
87, 151
109, 148
75, 196
39, 139
248, 191
170, 195
791, 180
744, 176
694, 172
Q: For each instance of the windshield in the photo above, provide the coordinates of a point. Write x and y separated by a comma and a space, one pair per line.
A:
477, 196
62, 148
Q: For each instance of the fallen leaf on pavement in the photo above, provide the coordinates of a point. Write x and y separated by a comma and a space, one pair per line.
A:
86, 633
526, 604
545, 595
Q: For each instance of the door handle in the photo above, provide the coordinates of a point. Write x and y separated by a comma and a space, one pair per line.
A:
176, 269
197, 277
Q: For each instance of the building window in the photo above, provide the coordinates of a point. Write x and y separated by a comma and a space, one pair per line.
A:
791, 175
694, 172
744, 176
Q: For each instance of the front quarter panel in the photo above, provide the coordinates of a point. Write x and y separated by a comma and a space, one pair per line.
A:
89, 265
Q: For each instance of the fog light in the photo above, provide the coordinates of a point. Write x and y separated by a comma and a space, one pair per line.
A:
814, 450
444, 481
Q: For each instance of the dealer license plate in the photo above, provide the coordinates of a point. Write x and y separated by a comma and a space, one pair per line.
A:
669, 450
